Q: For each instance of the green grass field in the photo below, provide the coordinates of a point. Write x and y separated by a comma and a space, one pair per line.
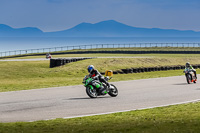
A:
25, 75
183, 118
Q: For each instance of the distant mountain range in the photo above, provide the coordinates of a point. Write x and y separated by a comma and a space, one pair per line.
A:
108, 28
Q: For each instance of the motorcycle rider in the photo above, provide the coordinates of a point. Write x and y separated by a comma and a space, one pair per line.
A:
96, 75
190, 68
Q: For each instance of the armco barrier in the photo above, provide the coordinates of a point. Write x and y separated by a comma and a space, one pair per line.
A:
152, 69
108, 52
63, 61
30, 52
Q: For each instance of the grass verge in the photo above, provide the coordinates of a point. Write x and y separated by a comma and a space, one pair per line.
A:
183, 118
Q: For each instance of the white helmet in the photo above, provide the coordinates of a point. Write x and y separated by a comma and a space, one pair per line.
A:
187, 64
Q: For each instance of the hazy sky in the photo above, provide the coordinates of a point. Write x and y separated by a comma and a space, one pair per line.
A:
54, 15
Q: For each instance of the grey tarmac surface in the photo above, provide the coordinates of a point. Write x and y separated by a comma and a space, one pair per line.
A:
70, 101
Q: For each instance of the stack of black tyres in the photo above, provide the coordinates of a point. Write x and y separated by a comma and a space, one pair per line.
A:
152, 69
63, 61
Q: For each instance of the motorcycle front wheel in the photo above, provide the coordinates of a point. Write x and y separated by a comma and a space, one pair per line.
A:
188, 77
92, 93
113, 92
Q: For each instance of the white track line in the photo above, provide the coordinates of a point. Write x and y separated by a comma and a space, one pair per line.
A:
124, 110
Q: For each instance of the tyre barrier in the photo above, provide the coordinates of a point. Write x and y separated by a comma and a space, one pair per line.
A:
152, 69
64, 61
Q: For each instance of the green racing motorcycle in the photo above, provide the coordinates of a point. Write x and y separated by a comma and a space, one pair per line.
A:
93, 91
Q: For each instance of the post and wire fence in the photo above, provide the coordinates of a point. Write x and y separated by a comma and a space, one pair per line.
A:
98, 46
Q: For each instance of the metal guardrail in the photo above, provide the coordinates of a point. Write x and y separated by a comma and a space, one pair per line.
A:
95, 46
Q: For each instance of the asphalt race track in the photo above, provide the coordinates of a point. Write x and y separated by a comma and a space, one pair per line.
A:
72, 101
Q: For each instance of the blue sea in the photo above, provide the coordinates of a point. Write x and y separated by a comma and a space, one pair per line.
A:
20, 43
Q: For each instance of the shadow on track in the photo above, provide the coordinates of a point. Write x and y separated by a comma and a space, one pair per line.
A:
181, 84
82, 98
